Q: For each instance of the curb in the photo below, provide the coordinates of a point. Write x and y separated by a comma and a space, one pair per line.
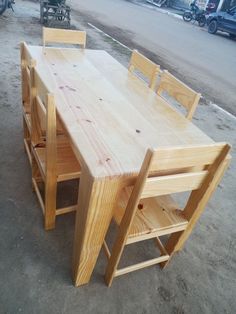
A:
155, 8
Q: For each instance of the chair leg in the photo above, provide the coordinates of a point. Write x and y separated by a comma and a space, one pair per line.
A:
34, 169
50, 205
172, 247
114, 259
25, 131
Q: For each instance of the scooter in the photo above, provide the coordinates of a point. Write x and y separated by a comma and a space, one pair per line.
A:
195, 14
6, 4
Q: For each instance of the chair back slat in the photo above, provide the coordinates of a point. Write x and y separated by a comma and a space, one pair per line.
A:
145, 66
26, 64
54, 35
184, 157
184, 178
41, 114
41, 89
182, 93
170, 184
44, 120
26, 59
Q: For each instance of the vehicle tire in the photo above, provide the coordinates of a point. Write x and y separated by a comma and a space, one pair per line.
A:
202, 21
3, 6
212, 27
233, 36
187, 16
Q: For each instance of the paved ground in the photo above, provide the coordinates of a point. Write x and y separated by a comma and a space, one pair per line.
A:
35, 265
206, 62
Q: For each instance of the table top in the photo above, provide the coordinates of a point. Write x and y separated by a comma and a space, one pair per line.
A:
111, 116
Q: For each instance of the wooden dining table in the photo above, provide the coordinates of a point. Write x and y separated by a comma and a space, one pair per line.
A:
111, 118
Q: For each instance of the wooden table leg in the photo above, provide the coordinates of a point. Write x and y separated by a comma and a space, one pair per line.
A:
95, 208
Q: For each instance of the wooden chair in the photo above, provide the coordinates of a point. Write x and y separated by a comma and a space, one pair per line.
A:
148, 68
53, 160
55, 35
26, 65
183, 94
148, 211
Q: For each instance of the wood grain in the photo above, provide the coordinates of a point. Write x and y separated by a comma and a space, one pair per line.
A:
63, 36
182, 93
111, 118
148, 68
142, 219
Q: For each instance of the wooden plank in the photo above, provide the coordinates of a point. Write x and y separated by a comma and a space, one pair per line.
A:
64, 210
54, 35
135, 114
199, 155
152, 235
35, 185
51, 164
26, 64
145, 66
27, 149
180, 92
106, 249
171, 184
42, 89
97, 199
154, 217
141, 265
161, 246
134, 125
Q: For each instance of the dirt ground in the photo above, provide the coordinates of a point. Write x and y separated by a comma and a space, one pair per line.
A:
35, 266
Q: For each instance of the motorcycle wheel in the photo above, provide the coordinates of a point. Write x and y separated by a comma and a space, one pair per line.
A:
202, 21
3, 6
187, 16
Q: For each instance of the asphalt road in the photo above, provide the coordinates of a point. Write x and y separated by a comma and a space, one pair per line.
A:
205, 62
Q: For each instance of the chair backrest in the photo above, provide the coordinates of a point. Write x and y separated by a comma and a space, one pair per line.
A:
184, 163
148, 68
43, 117
180, 92
26, 64
55, 35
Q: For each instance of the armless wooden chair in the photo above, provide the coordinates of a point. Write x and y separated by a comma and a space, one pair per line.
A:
53, 160
27, 63
148, 68
147, 210
55, 35
183, 94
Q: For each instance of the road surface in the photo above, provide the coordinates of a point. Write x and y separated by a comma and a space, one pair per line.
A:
205, 62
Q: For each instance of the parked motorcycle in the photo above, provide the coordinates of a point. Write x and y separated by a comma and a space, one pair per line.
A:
195, 14
6, 4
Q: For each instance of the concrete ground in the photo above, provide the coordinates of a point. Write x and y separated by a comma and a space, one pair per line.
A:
35, 266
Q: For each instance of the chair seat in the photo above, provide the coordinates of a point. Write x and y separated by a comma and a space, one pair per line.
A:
68, 167
157, 215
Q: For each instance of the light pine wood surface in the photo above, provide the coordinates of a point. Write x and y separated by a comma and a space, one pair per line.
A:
148, 68
147, 212
53, 160
111, 118
66, 36
182, 93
